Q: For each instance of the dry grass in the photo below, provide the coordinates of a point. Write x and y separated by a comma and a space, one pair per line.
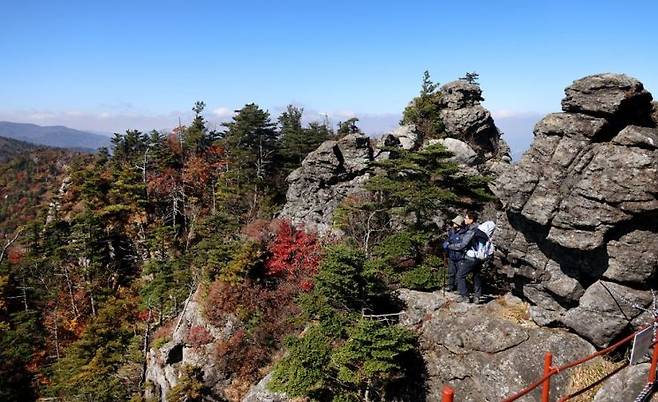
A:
515, 312
588, 373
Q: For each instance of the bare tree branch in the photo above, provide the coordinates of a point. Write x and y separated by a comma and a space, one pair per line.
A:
9, 243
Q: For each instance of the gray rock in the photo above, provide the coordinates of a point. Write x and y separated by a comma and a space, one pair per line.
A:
537, 295
260, 393
624, 386
544, 317
463, 153
163, 365
571, 125
407, 136
605, 311
607, 95
562, 285
582, 205
465, 119
487, 355
418, 304
473, 124
460, 94
635, 136
639, 247
327, 175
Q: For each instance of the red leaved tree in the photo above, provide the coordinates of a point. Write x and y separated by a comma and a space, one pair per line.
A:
295, 254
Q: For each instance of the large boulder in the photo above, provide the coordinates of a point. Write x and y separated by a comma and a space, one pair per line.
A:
464, 118
327, 175
462, 152
485, 352
616, 96
339, 168
405, 137
582, 205
605, 311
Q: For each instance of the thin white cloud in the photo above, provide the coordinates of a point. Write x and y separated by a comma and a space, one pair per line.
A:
223, 112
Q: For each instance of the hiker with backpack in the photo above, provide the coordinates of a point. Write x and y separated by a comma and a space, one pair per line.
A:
455, 232
476, 246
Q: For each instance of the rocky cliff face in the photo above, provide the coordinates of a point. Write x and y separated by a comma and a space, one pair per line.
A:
327, 175
339, 168
580, 210
192, 343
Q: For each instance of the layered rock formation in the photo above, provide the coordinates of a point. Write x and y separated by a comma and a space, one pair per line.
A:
580, 211
339, 168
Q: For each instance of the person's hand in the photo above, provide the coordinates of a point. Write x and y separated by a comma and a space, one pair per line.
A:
445, 245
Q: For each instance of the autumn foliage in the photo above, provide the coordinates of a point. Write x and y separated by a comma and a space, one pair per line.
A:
199, 336
295, 253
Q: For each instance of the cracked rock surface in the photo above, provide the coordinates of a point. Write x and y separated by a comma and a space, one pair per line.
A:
486, 352
580, 209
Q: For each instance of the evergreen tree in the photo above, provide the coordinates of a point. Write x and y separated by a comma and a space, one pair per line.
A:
348, 127
90, 371
424, 182
197, 137
424, 110
297, 141
251, 142
471, 78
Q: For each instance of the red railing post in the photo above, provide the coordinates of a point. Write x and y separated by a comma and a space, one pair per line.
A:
548, 360
448, 394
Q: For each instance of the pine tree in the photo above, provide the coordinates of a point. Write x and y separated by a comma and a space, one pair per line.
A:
424, 182
297, 141
251, 142
424, 110
348, 127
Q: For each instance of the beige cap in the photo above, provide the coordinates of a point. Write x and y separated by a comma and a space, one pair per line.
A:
459, 220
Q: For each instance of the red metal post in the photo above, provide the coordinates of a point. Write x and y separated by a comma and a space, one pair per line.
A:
548, 360
654, 362
448, 394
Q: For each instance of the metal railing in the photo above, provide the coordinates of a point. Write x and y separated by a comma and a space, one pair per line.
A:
448, 393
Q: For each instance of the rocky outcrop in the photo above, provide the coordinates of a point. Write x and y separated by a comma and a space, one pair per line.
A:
485, 352
339, 168
260, 393
465, 118
56, 204
580, 210
326, 177
192, 343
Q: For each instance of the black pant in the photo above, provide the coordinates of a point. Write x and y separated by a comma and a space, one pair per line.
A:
452, 272
465, 267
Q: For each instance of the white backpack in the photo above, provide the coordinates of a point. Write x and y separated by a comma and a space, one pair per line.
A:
483, 251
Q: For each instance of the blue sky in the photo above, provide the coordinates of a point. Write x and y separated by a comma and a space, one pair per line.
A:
112, 65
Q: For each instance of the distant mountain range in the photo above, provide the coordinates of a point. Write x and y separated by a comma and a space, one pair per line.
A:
10, 148
53, 136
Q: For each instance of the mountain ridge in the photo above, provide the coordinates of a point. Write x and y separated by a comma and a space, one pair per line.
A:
53, 136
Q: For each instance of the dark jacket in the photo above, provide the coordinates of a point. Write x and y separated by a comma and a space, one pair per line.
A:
470, 239
457, 252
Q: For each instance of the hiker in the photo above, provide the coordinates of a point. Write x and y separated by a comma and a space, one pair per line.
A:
471, 237
454, 236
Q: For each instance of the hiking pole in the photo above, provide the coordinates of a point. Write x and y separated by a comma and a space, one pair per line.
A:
445, 269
